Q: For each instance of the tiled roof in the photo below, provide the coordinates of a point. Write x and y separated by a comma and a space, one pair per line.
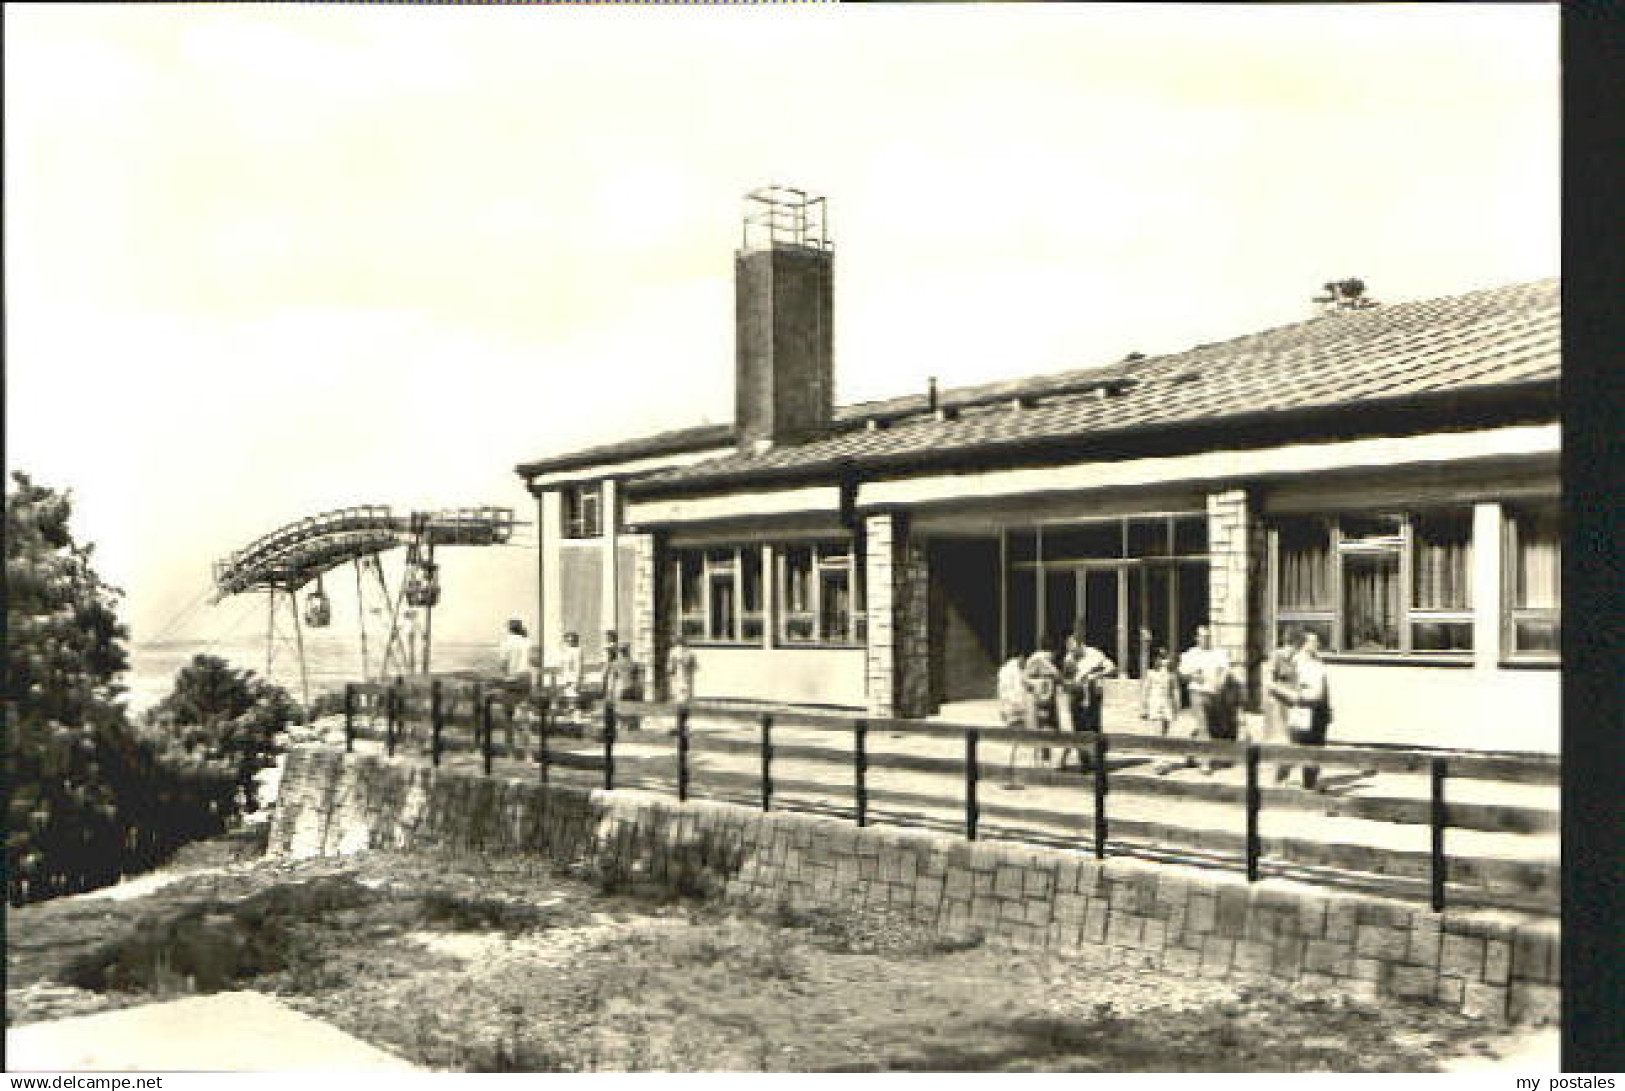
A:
1495, 337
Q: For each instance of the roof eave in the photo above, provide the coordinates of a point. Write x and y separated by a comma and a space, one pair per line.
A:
1513, 402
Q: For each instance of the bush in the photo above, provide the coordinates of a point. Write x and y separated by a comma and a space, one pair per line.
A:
226, 718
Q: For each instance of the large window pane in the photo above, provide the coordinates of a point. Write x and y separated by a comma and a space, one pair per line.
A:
720, 622
1082, 541
799, 621
1537, 561
1288, 628
1148, 537
1536, 635
1441, 561
835, 604
1304, 576
1371, 602
1441, 636
750, 590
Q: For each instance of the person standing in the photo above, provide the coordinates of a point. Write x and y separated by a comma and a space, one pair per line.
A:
1311, 717
571, 674
1280, 694
1087, 667
622, 684
1043, 678
1012, 693
1082, 693
515, 652
1206, 670
1159, 693
681, 664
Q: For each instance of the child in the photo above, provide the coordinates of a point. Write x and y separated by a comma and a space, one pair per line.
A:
1159, 692
570, 674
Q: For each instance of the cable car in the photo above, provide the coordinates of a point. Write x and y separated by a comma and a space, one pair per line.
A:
423, 585
318, 610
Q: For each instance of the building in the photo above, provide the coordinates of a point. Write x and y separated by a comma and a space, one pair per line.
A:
1384, 475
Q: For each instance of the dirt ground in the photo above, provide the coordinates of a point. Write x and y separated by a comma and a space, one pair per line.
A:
471, 966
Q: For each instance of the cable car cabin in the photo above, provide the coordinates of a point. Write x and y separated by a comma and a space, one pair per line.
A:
318, 610
423, 586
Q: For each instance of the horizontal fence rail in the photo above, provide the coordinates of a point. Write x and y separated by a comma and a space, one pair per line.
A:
686, 749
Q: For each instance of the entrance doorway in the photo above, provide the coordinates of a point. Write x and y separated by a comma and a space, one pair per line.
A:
1124, 608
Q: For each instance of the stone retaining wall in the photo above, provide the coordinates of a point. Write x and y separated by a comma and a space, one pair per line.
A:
1498, 965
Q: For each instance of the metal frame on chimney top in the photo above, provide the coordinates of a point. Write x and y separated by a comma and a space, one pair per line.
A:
785, 214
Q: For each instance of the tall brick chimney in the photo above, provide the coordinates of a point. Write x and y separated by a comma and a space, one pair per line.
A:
784, 380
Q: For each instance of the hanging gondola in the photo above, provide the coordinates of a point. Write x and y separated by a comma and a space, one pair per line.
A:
318, 610
423, 584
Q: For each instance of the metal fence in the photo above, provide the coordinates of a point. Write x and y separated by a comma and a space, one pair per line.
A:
446, 718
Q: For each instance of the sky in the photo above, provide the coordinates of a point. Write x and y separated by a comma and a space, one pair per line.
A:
266, 261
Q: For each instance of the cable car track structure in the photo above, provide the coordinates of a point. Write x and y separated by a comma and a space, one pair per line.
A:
285, 562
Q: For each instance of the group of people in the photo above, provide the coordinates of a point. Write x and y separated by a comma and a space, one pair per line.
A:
1060, 689
1046, 691
620, 678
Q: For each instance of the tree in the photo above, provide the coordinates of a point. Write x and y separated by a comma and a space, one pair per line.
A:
88, 800
223, 715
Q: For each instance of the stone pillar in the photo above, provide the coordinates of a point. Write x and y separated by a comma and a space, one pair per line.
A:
897, 579
1236, 582
648, 632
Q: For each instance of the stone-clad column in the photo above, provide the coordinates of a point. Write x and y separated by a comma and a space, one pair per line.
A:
1236, 581
648, 634
897, 662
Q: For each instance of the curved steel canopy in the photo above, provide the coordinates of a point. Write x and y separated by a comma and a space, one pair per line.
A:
293, 555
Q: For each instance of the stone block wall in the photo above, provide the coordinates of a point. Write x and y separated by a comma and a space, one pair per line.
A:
1499, 966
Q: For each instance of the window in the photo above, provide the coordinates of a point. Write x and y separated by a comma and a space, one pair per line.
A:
582, 511
820, 595
1534, 565
750, 594
1378, 583
690, 571
719, 596
1303, 576
1441, 577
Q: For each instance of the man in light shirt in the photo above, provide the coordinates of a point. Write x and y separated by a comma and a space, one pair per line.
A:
516, 656
1206, 671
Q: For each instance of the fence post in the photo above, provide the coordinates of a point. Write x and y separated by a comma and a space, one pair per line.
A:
767, 762
1100, 794
609, 746
485, 717
1439, 817
860, 769
542, 724
972, 772
682, 754
392, 716
436, 717
349, 717
1254, 800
